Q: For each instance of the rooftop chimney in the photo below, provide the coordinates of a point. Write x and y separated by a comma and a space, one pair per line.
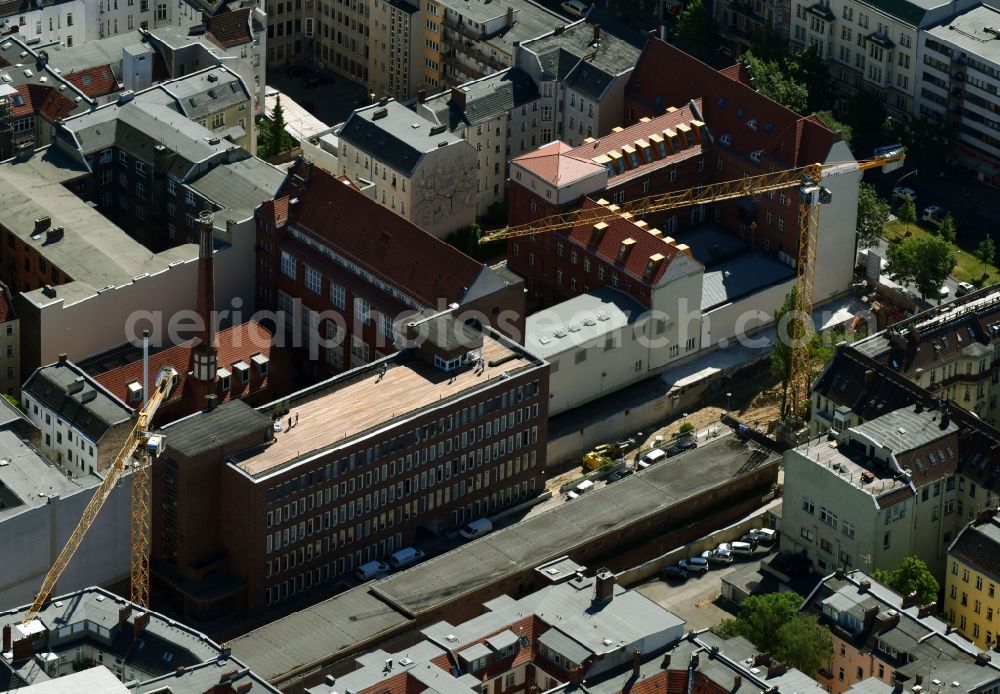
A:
636, 663
421, 95
604, 587
139, 625
737, 683
63, 357
53, 234
6, 638
42, 223
910, 600
918, 678
458, 98
205, 352
211, 401
124, 613
666, 660
597, 33
865, 585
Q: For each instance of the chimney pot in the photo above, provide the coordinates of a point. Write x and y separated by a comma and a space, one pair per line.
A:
63, 357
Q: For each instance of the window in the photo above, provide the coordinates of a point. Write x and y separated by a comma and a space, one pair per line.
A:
287, 263
171, 186
828, 517
338, 296
189, 199
807, 534
218, 120
362, 311
807, 505
313, 279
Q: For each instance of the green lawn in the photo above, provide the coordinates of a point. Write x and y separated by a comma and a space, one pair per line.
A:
968, 268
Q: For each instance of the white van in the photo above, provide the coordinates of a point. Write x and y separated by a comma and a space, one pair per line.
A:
405, 557
652, 457
739, 548
371, 570
575, 8
476, 528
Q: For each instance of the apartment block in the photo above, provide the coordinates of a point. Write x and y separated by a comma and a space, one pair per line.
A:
953, 353
83, 426
884, 642
581, 73
394, 66
489, 114
959, 85
971, 604
91, 640
739, 22
291, 498
751, 134
421, 171
10, 344
342, 270
872, 46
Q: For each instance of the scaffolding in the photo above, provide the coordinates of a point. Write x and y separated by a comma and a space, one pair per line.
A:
13, 141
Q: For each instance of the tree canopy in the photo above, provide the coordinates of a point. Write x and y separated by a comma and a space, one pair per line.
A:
272, 139
948, 230
772, 79
696, 24
873, 215
924, 261
907, 213
986, 252
912, 575
772, 622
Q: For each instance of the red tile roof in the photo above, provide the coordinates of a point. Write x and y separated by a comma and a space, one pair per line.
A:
375, 237
53, 105
230, 28
27, 107
237, 343
556, 164
609, 245
753, 121
94, 81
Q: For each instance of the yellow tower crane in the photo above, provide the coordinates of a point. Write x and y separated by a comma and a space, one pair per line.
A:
811, 195
139, 448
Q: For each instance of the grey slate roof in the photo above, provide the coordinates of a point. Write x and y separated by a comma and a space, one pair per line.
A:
978, 546
919, 428
747, 273
240, 186
575, 59
206, 92
88, 54
50, 385
399, 138
203, 431
485, 99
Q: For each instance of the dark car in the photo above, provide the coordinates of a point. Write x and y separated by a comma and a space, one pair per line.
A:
683, 444
673, 572
751, 539
620, 473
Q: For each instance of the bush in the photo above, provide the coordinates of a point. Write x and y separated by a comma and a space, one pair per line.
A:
686, 428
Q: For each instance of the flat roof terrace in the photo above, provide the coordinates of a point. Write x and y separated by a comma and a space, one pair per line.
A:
363, 402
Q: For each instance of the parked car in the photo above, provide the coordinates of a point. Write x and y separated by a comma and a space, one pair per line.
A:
579, 489
619, 474
904, 193
750, 539
718, 556
371, 570
765, 536
743, 549
694, 565
651, 458
574, 8
405, 557
964, 288
685, 443
476, 528
943, 292
934, 214
673, 572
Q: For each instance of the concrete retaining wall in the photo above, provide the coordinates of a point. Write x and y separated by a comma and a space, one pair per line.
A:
651, 568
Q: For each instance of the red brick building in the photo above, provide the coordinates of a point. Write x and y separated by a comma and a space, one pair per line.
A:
255, 507
710, 126
342, 269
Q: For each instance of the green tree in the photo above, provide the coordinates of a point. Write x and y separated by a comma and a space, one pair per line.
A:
845, 131
924, 261
912, 575
804, 643
947, 229
761, 616
789, 327
865, 112
771, 78
873, 215
907, 213
696, 24
986, 251
278, 134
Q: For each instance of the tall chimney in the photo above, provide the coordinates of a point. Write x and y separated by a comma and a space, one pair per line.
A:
205, 352
636, 664
458, 98
6, 637
597, 33
604, 587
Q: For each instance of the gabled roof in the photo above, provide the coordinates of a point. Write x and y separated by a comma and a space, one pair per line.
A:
238, 343
556, 164
376, 238
95, 81
485, 99
730, 107
230, 28
978, 546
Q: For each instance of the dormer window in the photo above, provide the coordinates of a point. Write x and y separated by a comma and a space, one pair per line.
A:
597, 232
225, 379
624, 249
654, 260
261, 363
661, 146
633, 157
135, 392
242, 370
675, 142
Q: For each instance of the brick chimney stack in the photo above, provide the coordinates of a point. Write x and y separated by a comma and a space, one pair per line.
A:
205, 353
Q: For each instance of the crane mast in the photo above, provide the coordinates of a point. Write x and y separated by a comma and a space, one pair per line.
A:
141, 444
812, 194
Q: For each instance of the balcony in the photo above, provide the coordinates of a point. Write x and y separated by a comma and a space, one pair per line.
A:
463, 29
821, 11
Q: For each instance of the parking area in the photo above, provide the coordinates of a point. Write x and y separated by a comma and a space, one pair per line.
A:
696, 599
